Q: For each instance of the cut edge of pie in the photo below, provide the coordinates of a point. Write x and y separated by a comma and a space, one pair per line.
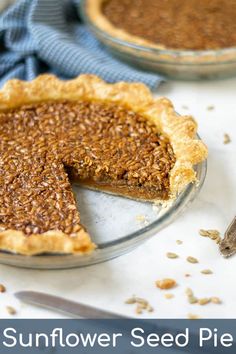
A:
180, 130
93, 10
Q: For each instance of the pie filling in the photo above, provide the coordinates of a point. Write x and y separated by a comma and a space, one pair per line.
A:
177, 24
44, 147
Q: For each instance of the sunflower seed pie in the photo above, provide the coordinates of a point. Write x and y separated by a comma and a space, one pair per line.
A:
172, 24
114, 138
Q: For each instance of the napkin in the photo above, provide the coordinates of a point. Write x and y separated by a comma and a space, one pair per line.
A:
38, 36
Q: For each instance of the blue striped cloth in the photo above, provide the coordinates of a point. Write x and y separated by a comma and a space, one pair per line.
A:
39, 36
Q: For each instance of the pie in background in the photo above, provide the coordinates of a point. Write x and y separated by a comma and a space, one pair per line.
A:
172, 24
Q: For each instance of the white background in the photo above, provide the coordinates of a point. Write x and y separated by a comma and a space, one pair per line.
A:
107, 285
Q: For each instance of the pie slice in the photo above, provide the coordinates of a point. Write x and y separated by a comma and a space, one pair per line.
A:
115, 138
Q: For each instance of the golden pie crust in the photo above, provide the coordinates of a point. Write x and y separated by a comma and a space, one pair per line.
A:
180, 130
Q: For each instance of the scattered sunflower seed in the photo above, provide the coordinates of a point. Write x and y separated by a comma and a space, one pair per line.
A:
130, 301
192, 299
2, 288
212, 234
192, 259
204, 301
227, 139
179, 242
11, 310
206, 271
172, 255
189, 292
210, 108
141, 301
209, 233
166, 283
149, 308
216, 300
141, 304
139, 310
187, 275
185, 107
192, 316
169, 296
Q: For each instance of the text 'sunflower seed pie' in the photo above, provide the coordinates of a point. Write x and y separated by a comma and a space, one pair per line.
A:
115, 138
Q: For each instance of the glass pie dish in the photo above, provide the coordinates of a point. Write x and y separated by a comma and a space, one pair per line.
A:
176, 64
117, 226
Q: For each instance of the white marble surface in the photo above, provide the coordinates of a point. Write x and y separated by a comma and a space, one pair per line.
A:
107, 285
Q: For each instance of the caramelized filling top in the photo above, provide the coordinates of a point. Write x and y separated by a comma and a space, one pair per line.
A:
177, 24
45, 146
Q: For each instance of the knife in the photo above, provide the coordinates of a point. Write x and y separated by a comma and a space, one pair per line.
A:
76, 310
68, 307
228, 244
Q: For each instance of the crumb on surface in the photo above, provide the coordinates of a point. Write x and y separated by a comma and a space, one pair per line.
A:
142, 219
166, 283
2, 288
156, 208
